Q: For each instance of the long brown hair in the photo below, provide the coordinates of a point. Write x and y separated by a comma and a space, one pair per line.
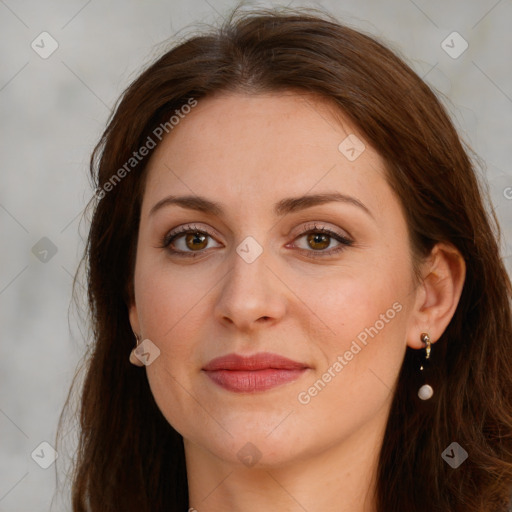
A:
129, 458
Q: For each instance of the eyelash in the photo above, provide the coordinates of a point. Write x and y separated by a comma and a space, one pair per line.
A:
191, 228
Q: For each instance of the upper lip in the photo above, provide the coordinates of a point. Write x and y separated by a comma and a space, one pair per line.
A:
260, 361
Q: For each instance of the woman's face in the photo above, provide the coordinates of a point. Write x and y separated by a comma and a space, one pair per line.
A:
305, 257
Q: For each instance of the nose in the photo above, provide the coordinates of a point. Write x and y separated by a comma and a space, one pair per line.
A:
251, 295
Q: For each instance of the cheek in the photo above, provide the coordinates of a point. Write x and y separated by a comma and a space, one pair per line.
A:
169, 323
170, 304
169, 298
361, 354
368, 331
362, 318
344, 307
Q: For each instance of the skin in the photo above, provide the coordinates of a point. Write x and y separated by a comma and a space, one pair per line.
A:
249, 152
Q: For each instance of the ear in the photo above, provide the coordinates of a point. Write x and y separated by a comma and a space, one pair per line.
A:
438, 294
134, 317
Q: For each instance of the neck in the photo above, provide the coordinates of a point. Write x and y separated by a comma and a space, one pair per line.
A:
339, 479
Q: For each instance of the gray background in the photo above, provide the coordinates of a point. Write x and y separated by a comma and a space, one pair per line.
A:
53, 111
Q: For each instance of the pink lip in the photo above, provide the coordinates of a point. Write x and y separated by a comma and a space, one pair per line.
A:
246, 374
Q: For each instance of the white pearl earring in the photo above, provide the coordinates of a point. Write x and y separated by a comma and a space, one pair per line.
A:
426, 391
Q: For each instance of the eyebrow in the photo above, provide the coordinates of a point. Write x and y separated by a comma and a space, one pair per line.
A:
281, 208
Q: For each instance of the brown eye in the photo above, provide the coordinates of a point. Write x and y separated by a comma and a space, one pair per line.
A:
318, 241
187, 240
196, 241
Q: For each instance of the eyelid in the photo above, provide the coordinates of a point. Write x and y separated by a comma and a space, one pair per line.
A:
185, 228
324, 227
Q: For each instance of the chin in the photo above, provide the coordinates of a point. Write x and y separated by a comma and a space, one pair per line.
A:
252, 444
257, 452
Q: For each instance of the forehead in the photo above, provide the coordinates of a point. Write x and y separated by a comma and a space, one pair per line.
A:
263, 147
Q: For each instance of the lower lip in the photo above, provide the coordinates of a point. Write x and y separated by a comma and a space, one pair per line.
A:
251, 381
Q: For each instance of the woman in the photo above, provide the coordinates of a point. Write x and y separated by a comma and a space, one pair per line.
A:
297, 295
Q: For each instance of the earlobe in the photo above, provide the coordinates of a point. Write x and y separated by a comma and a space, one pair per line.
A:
441, 287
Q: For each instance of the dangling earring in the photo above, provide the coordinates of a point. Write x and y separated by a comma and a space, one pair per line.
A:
133, 358
426, 391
